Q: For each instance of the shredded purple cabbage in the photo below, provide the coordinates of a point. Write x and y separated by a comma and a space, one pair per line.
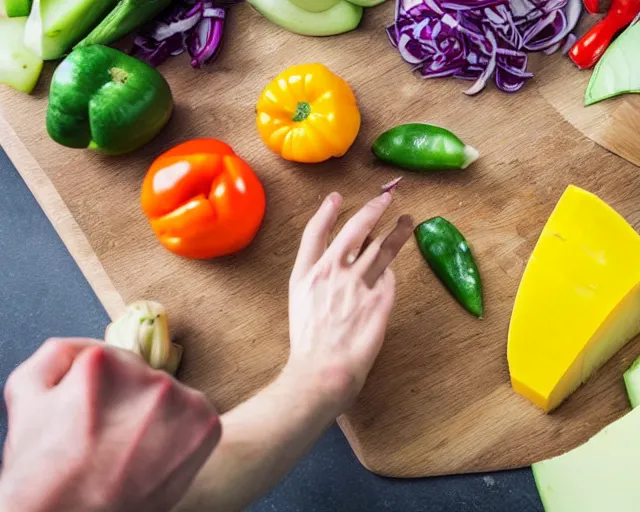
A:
195, 26
481, 39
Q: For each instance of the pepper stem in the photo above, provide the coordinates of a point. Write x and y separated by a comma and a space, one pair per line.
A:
303, 109
119, 75
471, 154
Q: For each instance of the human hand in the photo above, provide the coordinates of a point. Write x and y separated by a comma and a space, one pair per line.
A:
92, 428
340, 300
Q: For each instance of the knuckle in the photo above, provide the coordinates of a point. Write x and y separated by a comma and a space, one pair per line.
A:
213, 428
50, 343
323, 270
94, 360
51, 347
209, 422
164, 387
161, 395
55, 345
200, 401
201, 407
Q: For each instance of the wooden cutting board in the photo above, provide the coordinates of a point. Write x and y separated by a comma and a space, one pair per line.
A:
438, 400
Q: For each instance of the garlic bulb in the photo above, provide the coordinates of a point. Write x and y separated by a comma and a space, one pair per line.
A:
144, 329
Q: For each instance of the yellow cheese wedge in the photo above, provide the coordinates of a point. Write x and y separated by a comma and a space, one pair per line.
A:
578, 302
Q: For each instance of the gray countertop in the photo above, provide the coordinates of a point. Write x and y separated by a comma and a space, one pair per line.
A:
43, 294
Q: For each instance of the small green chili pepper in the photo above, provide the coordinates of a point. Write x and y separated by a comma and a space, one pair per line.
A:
423, 147
449, 256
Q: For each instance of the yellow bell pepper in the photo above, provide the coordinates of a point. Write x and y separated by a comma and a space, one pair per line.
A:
308, 114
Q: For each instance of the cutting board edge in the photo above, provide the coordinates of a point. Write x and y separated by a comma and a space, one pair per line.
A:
384, 470
62, 220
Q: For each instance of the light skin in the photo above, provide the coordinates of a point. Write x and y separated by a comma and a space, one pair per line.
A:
91, 428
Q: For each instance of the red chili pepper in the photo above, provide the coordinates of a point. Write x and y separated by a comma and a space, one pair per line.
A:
593, 6
588, 50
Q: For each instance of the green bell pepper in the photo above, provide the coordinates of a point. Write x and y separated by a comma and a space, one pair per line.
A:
103, 99
449, 256
423, 147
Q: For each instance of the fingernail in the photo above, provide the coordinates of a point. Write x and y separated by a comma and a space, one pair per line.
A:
406, 220
335, 198
386, 197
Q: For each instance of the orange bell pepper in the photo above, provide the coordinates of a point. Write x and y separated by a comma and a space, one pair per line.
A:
308, 114
202, 200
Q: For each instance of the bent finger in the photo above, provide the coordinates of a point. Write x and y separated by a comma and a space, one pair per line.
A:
316, 235
379, 255
354, 233
53, 360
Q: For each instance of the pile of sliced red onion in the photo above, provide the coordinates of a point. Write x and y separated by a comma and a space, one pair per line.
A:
191, 25
479, 39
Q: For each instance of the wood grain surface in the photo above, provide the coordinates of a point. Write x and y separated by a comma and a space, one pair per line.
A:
438, 400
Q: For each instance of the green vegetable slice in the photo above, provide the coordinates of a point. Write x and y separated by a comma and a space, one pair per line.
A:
55, 25
618, 71
19, 67
367, 3
599, 476
127, 16
315, 5
342, 17
632, 383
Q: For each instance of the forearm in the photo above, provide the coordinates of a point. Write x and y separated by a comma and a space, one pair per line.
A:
261, 441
